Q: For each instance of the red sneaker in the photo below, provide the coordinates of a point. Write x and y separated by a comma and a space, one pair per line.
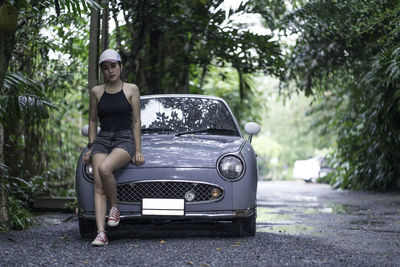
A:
113, 218
101, 239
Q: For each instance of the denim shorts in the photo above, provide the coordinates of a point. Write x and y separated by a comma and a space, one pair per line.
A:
106, 141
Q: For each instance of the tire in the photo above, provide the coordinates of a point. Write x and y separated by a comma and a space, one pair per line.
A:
87, 228
246, 226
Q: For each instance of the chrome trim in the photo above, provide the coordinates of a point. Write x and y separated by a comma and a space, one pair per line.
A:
236, 154
180, 96
188, 215
177, 181
169, 180
242, 145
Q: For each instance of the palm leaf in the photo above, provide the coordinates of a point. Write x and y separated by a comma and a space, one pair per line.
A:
28, 98
4, 168
76, 7
25, 85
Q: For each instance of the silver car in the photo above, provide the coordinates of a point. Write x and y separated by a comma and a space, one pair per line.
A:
198, 167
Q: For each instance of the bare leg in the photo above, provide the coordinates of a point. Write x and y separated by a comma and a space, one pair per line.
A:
100, 198
115, 160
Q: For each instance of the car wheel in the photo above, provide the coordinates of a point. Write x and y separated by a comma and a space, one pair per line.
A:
246, 226
87, 228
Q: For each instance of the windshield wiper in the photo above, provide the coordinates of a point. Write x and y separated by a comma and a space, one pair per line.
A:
157, 130
209, 130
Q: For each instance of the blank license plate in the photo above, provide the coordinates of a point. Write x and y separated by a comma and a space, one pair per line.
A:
163, 206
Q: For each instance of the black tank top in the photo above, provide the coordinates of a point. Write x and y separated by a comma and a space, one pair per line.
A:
114, 111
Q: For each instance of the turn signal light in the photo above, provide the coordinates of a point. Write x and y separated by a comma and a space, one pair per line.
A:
215, 192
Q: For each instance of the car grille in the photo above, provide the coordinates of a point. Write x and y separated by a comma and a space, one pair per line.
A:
136, 191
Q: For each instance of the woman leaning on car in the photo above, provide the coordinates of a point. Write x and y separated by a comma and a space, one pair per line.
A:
117, 105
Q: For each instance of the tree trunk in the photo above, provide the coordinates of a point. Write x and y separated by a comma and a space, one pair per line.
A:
104, 29
104, 25
183, 87
241, 85
93, 75
4, 212
184, 81
8, 27
153, 79
203, 76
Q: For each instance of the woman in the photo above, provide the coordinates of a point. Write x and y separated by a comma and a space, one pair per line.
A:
117, 105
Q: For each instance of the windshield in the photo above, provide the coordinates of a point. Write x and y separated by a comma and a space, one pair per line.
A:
185, 114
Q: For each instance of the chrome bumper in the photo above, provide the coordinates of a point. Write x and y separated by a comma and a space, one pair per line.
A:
210, 215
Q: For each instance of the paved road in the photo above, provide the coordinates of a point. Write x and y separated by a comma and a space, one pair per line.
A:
298, 224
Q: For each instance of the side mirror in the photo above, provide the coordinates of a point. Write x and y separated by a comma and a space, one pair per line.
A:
85, 130
252, 128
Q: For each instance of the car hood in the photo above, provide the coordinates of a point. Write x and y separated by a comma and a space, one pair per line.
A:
194, 151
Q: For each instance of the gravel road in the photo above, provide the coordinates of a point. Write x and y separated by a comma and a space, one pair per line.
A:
298, 224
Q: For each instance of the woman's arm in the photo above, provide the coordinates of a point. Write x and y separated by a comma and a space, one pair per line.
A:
92, 123
92, 116
136, 125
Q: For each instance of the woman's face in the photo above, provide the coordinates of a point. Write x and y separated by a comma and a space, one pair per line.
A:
111, 71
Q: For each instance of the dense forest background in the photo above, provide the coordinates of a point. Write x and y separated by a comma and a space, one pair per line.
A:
334, 64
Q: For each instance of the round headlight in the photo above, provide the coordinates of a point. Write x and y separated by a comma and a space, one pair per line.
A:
231, 167
88, 169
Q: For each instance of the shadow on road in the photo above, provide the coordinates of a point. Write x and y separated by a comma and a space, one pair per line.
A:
129, 230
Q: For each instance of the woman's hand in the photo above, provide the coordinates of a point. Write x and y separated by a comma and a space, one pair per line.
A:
86, 157
138, 158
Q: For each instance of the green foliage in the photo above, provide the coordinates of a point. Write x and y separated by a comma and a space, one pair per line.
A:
42, 119
20, 195
20, 217
371, 141
224, 83
349, 55
26, 103
162, 41
76, 7
288, 133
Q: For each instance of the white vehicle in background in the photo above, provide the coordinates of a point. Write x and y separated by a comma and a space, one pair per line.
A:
310, 169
